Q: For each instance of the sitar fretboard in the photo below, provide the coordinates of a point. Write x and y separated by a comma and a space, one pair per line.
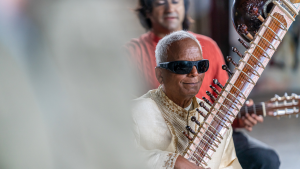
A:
238, 87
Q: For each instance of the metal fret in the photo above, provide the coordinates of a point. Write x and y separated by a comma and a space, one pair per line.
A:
231, 95
205, 154
211, 144
219, 119
247, 76
278, 38
228, 110
215, 130
232, 103
261, 47
196, 158
268, 42
238, 90
254, 107
284, 28
256, 59
257, 74
224, 115
212, 133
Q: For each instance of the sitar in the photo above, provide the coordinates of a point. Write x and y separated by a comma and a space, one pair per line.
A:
264, 39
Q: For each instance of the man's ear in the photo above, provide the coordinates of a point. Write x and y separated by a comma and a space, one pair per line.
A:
159, 74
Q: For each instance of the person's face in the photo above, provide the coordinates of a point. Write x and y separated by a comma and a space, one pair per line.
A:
167, 15
183, 85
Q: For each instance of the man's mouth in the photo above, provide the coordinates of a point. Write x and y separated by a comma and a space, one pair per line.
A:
170, 18
191, 83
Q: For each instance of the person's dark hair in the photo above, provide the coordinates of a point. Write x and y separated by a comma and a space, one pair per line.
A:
145, 6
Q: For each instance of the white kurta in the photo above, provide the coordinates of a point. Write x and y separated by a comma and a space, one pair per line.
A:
159, 123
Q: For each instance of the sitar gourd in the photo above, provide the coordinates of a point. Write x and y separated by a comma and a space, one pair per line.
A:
264, 24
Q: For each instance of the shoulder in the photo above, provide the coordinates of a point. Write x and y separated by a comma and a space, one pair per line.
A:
137, 46
138, 41
204, 40
146, 109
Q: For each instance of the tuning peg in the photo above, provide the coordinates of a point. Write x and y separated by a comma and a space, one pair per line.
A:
224, 67
203, 106
286, 95
211, 96
254, 11
193, 119
201, 113
234, 49
216, 82
207, 101
243, 43
243, 29
190, 130
229, 59
187, 136
215, 90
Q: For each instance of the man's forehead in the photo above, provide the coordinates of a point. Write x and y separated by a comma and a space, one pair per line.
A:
185, 49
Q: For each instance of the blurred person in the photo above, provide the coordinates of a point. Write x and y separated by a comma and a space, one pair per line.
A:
58, 107
160, 18
162, 114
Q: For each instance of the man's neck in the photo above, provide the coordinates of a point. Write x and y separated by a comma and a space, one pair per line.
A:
163, 33
160, 34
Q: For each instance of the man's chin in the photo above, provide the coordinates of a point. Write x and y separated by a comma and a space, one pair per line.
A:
192, 91
172, 27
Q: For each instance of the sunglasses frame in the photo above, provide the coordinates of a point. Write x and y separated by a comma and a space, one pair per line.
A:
170, 65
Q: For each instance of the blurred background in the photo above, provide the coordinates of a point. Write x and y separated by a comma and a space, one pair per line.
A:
65, 85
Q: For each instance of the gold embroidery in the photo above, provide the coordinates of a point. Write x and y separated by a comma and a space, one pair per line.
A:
176, 117
170, 162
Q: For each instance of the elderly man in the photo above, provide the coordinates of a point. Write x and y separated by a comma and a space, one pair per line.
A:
161, 17
162, 114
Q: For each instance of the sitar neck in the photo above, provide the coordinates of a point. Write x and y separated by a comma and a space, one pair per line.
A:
235, 92
258, 109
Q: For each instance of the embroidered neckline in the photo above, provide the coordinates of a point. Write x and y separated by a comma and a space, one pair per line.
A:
173, 107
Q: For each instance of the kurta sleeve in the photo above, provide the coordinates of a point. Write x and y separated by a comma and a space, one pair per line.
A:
229, 158
156, 159
152, 136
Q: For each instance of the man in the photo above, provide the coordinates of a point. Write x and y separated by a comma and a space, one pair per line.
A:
162, 114
161, 17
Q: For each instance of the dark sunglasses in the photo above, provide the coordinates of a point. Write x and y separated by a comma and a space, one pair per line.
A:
185, 67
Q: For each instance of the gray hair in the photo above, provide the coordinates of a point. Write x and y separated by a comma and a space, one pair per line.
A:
164, 44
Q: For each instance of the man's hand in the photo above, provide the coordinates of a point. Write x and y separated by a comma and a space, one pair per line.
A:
182, 163
248, 121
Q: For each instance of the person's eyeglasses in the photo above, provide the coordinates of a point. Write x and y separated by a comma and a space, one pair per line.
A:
185, 67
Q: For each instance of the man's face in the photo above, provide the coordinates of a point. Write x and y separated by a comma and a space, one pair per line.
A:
183, 85
167, 15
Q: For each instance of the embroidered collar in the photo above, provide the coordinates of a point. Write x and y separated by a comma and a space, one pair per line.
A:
173, 107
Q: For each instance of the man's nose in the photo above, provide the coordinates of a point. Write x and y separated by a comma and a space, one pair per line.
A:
169, 6
194, 71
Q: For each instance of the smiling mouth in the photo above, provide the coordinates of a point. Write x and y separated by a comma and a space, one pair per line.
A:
191, 83
170, 18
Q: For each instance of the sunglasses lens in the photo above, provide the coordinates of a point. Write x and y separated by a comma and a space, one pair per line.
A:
203, 66
182, 67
